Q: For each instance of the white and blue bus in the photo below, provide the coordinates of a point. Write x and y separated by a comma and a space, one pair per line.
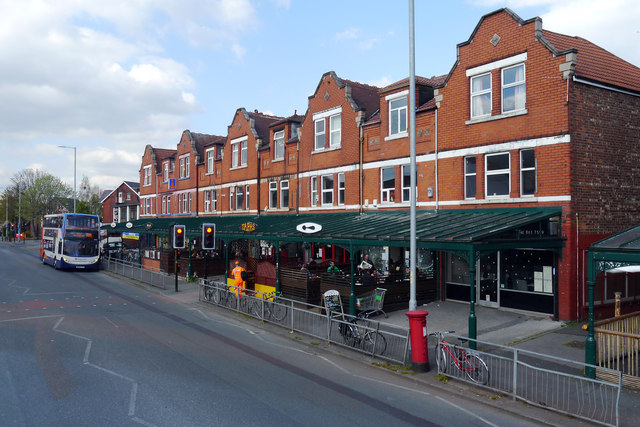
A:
71, 241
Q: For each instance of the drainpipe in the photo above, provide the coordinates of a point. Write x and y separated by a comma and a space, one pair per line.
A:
359, 121
298, 172
436, 159
258, 173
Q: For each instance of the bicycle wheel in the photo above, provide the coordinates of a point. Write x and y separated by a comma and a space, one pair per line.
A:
348, 333
442, 358
231, 300
374, 342
276, 310
476, 369
215, 295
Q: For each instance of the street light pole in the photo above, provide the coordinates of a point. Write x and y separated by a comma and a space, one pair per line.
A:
74, 174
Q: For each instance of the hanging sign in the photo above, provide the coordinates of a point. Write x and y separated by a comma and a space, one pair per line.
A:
309, 227
248, 226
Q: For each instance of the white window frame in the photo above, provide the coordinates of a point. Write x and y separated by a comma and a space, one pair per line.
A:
314, 191
246, 197
481, 93
120, 199
398, 115
335, 130
210, 154
147, 176
235, 151
341, 189
326, 191
407, 188
239, 198
470, 175
496, 172
169, 204
278, 145
273, 195
207, 200
387, 194
320, 135
165, 172
232, 200
214, 200
520, 83
284, 189
524, 170
164, 205
243, 153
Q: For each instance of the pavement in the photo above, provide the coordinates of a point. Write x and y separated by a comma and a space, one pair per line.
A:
523, 330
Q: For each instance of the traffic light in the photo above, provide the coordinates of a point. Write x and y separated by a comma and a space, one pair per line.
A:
178, 232
208, 236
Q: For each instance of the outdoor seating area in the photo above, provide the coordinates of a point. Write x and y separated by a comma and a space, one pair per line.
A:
308, 287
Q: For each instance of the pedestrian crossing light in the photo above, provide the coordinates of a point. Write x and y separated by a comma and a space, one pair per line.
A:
178, 236
208, 236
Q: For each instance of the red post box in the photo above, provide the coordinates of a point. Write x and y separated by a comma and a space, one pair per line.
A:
418, 334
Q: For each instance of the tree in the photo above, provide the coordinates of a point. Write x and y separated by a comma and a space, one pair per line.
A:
48, 194
89, 198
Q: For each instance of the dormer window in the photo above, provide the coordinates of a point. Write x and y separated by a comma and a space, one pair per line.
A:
278, 145
185, 167
239, 152
334, 117
147, 175
210, 160
398, 114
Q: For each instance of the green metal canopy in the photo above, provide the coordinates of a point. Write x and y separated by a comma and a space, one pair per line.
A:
450, 229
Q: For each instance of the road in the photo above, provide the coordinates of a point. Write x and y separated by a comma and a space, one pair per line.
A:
86, 348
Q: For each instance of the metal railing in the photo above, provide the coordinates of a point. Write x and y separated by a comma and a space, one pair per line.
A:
546, 381
377, 339
134, 270
618, 347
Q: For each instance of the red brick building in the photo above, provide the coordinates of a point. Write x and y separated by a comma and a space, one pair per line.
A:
121, 204
526, 118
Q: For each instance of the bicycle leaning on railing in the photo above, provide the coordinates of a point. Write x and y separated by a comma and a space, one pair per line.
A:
372, 342
449, 356
251, 302
220, 296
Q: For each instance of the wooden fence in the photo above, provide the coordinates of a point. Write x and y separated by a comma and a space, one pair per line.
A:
618, 346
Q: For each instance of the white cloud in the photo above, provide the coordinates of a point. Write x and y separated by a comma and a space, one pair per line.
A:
348, 34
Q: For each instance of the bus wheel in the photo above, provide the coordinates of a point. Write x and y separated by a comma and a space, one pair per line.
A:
55, 264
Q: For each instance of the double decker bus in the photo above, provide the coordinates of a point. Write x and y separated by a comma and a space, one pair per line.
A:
70, 241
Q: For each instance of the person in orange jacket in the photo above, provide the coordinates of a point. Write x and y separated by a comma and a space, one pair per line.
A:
238, 280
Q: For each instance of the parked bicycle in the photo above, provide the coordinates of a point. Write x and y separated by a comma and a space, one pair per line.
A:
274, 307
220, 296
468, 361
370, 341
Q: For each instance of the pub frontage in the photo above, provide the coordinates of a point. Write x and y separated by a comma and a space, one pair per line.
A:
494, 257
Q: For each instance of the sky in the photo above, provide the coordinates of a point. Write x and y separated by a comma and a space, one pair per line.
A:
110, 77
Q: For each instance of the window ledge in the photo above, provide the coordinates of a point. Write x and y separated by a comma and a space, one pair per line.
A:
324, 150
278, 160
238, 167
396, 136
498, 117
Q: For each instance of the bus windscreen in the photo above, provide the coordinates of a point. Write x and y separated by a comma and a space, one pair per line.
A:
81, 243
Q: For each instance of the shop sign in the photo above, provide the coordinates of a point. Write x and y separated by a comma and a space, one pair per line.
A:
248, 226
309, 227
